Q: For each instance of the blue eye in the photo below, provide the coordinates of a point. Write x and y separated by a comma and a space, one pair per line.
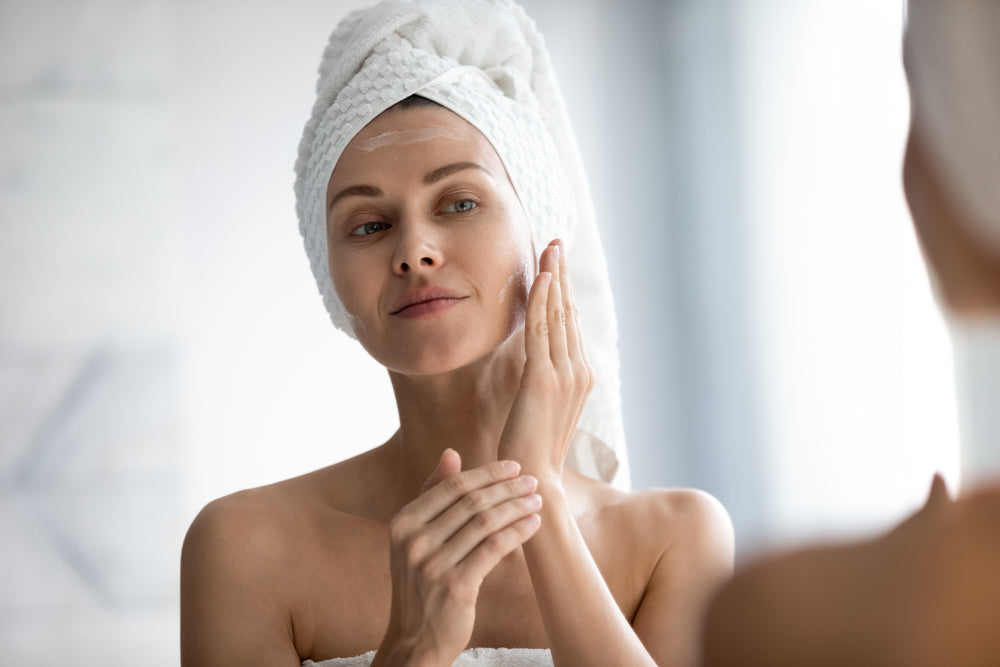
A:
460, 206
369, 228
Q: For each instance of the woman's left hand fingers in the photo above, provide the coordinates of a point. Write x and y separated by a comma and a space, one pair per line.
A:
583, 374
556, 314
574, 337
536, 323
557, 376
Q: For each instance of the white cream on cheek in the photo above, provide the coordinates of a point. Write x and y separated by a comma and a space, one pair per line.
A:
518, 280
357, 325
405, 137
515, 289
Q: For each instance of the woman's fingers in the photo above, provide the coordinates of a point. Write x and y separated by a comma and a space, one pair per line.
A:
536, 323
480, 528
481, 512
492, 550
574, 337
556, 314
449, 464
442, 495
583, 373
475, 514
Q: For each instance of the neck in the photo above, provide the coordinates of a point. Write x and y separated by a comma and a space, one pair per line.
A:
464, 409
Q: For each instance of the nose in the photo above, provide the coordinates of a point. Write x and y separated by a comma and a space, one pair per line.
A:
416, 250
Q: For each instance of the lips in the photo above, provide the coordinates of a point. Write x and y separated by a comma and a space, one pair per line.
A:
424, 300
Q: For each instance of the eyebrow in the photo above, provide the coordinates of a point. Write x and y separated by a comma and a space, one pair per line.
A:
449, 169
354, 190
430, 179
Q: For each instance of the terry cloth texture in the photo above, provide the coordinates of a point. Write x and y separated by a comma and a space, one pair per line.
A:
952, 53
486, 61
476, 657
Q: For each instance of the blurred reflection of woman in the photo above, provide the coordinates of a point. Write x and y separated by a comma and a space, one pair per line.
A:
436, 169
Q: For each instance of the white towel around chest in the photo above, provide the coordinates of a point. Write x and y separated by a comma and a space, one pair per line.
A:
497, 657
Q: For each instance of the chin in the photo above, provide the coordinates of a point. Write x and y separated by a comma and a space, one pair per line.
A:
447, 354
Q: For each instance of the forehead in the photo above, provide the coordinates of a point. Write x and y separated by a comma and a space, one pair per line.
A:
405, 138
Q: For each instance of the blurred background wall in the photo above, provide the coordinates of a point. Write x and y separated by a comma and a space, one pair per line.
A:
162, 343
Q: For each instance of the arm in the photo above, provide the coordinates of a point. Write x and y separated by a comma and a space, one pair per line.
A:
695, 562
582, 620
233, 600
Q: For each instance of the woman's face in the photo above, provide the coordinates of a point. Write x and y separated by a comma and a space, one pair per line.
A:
429, 249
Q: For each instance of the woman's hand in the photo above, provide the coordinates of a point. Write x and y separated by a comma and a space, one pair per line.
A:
557, 376
442, 545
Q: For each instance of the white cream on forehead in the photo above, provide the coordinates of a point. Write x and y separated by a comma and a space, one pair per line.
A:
404, 137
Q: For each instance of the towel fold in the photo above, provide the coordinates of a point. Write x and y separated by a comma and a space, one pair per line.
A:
952, 51
495, 657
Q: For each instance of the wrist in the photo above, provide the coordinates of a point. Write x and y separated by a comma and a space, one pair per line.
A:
546, 473
408, 652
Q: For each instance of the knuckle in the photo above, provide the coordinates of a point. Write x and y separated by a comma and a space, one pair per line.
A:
497, 472
457, 586
541, 328
458, 485
482, 521
560, 316
474, 501
399, 528
496, 544
429, 570
513, 487
415, 548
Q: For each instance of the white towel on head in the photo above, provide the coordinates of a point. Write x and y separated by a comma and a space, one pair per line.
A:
952, 53
486, 61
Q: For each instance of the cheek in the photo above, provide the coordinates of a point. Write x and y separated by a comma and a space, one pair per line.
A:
515, 293
515, 288
350, 290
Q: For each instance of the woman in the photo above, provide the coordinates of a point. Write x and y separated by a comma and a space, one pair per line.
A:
435, 166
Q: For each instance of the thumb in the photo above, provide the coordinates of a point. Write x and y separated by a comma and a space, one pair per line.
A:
450, 464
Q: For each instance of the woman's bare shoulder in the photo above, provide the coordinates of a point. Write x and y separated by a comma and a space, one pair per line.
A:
689, 512
242, 535
681, 512
262, 519
236, 584
251, 558
674, 528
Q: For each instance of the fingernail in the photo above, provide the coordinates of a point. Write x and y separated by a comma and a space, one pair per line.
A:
534, 500
527, 482
513, 467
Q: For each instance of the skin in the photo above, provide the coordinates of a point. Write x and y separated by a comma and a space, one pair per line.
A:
926, 593
463, 529
922, 595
